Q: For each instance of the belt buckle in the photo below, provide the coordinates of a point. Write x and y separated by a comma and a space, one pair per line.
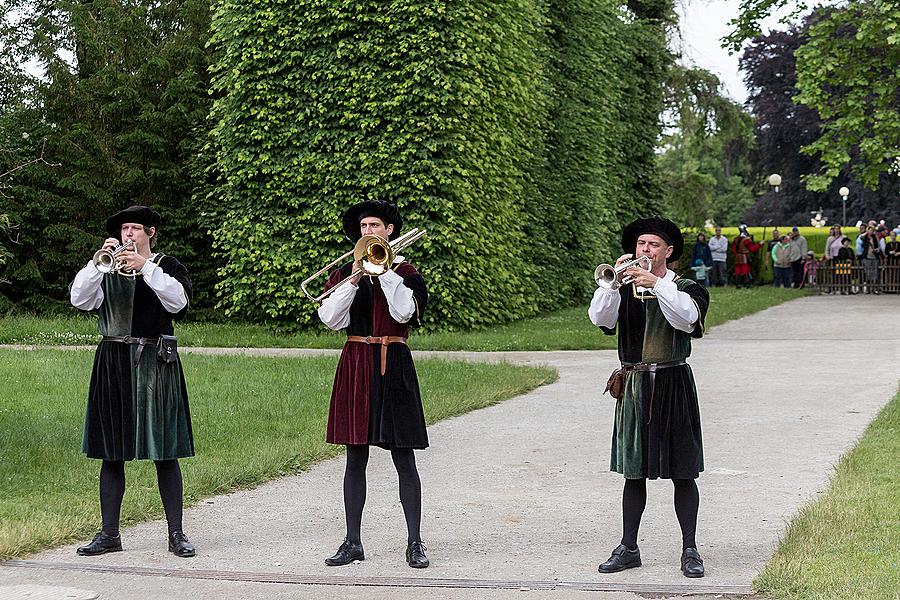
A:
368, 339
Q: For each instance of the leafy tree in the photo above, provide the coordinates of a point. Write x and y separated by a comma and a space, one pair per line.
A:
782, 128
847, 71
704, 157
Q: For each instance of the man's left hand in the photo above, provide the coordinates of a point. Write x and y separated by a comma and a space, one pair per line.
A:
132, 260
642, 278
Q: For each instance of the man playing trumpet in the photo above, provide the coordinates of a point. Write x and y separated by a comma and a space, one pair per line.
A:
657, 423
375, 399
137, 407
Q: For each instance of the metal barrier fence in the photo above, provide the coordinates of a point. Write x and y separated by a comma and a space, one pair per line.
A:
856, 278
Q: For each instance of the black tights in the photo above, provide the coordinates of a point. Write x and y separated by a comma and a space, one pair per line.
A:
355, 490
687, 503
112, 490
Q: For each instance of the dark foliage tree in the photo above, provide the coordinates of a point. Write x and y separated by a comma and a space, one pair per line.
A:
783, 128
121, 108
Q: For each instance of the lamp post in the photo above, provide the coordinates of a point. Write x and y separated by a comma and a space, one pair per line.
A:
775, 181
844, 192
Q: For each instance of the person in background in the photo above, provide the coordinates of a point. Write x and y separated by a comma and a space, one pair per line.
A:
810, 266
892, 263
701, 251
700, 271
743, 247
871, 256
718, 247
798, 252
781, 262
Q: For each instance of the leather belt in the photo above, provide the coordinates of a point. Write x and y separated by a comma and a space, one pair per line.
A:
653, 367
140, 342
384, 340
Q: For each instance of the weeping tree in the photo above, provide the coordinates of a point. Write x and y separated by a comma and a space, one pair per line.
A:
704, 150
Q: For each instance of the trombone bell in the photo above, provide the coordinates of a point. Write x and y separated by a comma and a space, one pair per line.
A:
373, 253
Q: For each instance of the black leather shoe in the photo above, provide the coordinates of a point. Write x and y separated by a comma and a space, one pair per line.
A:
415, 555
622, 558
101, 544
691, 563
180, 545
346, 554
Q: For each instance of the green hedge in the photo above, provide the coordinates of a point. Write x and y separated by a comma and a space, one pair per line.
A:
519, 133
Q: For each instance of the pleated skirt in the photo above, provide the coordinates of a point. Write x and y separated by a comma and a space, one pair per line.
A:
136, 413
657, 431
368, 408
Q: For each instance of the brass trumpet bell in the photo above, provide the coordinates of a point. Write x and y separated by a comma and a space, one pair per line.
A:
612, 278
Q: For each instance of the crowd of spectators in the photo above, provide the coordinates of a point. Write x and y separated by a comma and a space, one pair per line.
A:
875, 254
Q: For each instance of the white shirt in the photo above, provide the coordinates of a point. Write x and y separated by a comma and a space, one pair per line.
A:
335, 309
677, 307
87, 293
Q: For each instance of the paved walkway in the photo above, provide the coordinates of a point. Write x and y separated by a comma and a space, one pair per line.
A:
518, 500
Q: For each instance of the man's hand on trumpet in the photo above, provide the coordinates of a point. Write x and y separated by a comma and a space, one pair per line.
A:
131, 258
640, 277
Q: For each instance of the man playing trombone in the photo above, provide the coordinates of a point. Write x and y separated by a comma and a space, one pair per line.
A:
657, 421
375, 399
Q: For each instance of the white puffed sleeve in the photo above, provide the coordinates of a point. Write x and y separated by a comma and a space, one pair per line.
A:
677, 307
86, 292
604, 308
168, 289
335, 309
399, 297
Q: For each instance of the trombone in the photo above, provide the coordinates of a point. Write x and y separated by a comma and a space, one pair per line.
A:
373, 253
612, 278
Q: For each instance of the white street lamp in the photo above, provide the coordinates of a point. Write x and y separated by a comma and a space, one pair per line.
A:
844, 192
775, 181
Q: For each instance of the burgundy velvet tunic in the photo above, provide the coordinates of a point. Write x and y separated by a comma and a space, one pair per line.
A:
366, 407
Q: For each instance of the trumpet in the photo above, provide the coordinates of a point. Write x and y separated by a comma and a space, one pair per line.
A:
373, 253
107, 260
612, 278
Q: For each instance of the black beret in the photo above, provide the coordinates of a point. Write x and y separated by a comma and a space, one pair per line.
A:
381, 209
664, 228
143, 215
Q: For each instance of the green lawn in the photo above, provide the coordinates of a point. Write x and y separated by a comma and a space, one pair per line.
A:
846, 544
566, 329
254, 419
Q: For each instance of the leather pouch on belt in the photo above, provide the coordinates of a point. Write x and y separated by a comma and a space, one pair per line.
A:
167, 349
616, 384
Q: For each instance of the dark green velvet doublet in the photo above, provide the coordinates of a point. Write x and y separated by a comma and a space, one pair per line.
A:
657, 424
137, 412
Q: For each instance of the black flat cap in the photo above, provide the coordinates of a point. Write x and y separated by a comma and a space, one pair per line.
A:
385, 211
133, 214
664, 228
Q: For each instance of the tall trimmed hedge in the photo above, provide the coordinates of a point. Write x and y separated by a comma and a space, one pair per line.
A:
518, 133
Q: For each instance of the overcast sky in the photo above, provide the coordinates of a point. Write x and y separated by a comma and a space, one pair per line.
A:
703, 24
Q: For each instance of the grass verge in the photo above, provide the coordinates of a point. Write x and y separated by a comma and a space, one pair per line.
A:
566, 329
254, 419
846, 544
